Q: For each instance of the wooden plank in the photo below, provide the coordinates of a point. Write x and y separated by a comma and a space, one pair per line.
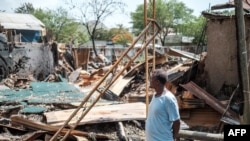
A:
82, 56
181, 53
209, 99
34, 135
134, 69
15, 119
74, 75
118, 86
206, 117
100, 114
196, 135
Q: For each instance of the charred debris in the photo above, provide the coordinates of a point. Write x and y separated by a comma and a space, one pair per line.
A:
53, 91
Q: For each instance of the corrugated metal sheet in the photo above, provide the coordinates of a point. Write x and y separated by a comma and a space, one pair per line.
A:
20, 21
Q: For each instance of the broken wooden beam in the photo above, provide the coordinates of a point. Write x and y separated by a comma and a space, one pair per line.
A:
122, 134
118, 86
52, 129
34, 136
195, 135
209, 99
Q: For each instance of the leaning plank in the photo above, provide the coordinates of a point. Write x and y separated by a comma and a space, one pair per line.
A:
100, 114
12, 128
52, 129
141, 66
122, 134
177, 52
119, 85
34, 136
209, 99
137, 68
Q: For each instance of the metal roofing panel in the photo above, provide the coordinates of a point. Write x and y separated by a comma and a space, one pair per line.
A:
20, 21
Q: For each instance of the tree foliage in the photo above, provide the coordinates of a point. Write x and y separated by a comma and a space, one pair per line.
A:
122, 38
195, 29
25, 8
93, 12
170, 15
119, 35
59, 25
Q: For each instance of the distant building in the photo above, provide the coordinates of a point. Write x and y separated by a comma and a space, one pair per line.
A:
23, 27
23, 51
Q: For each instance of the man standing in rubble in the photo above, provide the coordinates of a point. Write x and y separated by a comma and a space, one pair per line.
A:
163, 121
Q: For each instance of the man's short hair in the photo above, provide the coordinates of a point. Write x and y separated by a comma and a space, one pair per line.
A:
160, 75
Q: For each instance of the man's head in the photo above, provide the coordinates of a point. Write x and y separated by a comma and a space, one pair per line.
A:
158, 78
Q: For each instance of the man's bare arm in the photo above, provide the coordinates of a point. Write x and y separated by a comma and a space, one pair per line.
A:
176, 128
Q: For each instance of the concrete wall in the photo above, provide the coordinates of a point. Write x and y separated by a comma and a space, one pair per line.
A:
221, 61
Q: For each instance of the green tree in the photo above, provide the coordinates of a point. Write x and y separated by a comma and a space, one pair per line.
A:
195, 28
103, 34
93, 12
60, 27
25, 8
109, 34
118, 35
170, 15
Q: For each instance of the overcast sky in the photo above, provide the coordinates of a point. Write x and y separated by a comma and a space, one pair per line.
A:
197, 5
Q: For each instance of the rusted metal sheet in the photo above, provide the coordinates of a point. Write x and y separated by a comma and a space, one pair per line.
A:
209, 99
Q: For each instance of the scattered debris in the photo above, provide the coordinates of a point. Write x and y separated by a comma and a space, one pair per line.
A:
92, 98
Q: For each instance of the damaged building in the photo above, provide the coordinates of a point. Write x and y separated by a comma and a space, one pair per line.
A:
109, 101
23, 50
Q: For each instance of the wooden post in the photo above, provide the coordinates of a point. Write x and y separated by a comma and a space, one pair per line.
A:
154, 18
242, 60
146, 57
200, 135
